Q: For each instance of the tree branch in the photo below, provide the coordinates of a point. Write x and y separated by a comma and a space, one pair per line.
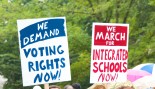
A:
128, 10
91, 5
117, 13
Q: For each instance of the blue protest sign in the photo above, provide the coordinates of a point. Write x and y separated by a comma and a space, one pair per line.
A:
43, 50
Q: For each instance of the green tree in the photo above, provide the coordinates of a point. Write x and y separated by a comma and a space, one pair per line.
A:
79, 16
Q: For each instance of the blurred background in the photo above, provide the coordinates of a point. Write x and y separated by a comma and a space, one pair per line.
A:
80, 14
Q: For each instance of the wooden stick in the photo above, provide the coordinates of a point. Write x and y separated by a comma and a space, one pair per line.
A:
46, 86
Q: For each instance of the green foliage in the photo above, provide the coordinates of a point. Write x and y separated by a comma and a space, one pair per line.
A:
8, 68
80, 70
78, 40
79, 16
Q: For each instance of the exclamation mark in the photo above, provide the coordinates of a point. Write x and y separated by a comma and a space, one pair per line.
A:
59, 74
116, 76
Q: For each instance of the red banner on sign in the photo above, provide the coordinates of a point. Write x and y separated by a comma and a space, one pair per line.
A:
110, 35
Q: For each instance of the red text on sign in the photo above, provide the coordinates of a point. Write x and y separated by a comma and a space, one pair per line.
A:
110, 54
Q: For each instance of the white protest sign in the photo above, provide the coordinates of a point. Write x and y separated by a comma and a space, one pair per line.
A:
109, 52
43, 50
